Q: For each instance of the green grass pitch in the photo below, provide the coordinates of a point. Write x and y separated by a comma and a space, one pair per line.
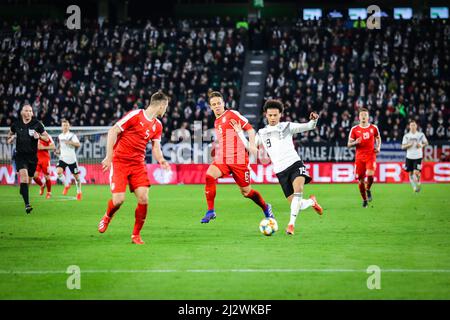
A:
407, 235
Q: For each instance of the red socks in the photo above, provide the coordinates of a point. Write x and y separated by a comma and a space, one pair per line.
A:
48, 183
362, 189
369, 182
38, 181
210, 191
111, 209
140, 215
257, 198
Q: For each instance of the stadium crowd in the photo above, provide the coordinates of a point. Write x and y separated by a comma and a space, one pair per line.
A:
95, 75
400, 72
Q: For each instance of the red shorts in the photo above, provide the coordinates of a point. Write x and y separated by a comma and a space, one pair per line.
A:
43, 166
240, 172
361, 166
121, 173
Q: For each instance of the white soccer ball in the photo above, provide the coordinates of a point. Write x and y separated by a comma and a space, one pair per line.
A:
268, 226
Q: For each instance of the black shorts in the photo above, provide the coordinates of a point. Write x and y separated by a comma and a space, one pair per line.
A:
73, 166
413, 164
26, 161
287, 177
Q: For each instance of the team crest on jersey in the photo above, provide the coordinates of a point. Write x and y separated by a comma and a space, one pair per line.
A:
224, 120
142, 124
154, 127
371, 130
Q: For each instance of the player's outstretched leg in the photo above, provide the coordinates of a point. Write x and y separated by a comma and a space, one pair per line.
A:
254, 195
210, 194
296, 200
362, 191
110, 211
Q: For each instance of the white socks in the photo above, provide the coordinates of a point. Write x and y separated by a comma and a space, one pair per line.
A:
413, 181
78, 184
297, 204
295, 207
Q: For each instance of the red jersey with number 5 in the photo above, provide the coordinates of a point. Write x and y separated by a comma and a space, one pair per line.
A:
230, 149
137, 130
365, 150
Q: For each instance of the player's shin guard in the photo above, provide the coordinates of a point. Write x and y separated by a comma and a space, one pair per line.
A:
140, 215
362, 189
369, 182
257, 198
210, 191
38, 181
24, 193
295, 207
111, 209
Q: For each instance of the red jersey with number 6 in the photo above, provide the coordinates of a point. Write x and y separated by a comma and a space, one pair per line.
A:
137, 130
230, 148
365, 150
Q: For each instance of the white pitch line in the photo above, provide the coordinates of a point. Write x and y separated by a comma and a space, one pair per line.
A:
228, 270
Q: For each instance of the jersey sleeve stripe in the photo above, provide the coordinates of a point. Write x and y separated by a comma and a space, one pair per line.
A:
130, 115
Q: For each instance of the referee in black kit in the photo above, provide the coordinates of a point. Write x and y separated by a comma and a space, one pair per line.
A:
28, 130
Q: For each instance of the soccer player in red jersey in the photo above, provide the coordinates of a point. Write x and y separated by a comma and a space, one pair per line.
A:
230, 156
43, 165
366, 138
125, 159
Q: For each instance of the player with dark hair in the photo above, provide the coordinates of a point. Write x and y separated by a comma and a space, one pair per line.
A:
27, 130
276, 139
366, 138
125, 159
414, 142
230, 157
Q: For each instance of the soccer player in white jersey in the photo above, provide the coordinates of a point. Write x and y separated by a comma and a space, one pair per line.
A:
276, 139
68, 141
414, 142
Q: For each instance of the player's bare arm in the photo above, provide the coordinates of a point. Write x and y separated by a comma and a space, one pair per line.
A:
407, 145
238, 128
111, 140
377, 144
73, 143
11, 137
352, 142
158, 155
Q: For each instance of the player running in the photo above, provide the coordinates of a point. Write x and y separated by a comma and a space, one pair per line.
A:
28, 130
366, 138
68, 141
43, 165
414, 142
276, 139
230, 157
125, 158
